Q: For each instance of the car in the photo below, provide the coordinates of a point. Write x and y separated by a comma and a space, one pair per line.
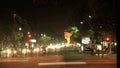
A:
87, 50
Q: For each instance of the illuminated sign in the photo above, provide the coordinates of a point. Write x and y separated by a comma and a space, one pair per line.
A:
33, 40
85, 40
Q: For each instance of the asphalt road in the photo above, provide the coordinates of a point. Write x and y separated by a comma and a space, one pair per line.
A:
33, 65
56, 62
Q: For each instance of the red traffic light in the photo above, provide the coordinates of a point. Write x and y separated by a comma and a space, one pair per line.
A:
107, 39
29, 36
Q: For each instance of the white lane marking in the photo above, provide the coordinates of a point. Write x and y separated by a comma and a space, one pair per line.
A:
14, 60
62, 63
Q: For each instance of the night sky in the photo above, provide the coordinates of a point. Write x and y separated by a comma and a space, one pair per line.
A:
47, 15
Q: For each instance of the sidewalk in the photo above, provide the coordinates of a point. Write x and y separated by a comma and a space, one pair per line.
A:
89, 56
69, 56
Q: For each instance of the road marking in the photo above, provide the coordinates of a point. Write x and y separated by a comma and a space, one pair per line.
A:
62, 63
14, 60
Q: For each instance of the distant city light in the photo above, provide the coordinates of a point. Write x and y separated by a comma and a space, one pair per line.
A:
81, 22
100, 26
33, 40
44, 35
115, 43
36, 49
32, 45
41, 34
26, 44
99, 47
82, 48
15, 52
24, 51
14, 15
89, 16
20, 28
78, 44
28, 33
8, 51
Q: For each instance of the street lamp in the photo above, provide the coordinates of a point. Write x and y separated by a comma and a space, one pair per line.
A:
20, 28
89, 16
81, 22
20, 39
115, 43
28, 32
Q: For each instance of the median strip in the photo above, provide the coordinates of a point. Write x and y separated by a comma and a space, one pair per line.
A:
14, 60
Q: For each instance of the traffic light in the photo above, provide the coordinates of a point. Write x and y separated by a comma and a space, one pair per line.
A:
107, 39
29, 36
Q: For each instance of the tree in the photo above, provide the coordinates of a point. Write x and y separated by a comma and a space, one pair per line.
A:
44, 39
105, 20
75, 32
103, 17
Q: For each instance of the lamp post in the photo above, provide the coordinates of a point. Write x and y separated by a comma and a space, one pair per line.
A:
102, 47
90, 22
20, 29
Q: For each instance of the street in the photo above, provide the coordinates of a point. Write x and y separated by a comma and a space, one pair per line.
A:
56, 62
33, 65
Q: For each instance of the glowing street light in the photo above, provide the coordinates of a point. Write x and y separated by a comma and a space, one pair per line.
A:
89, 16
115, 43
81, 22
20, 28
28, 32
